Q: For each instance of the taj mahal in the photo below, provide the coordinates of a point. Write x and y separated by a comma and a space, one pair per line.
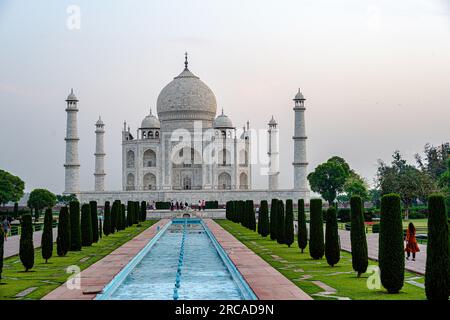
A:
187, 152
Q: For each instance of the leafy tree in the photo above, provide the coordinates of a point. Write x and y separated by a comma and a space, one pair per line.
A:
302, 236
263, 219
332, 243
289, 224
65, 199
94, 220
26, 249
360, 259
435, 160
107, 219
11, 187
391, 254
437, 283
75, 231
280, 222
2, 249
86, 225
273, 219
40, 199
143, 216
316, 241
444, 184
375, 197
405, 180
47, 236
328, 179
63, 237
356, 186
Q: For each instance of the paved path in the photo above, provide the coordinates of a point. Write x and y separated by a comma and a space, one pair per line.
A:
417, 266
266, 282
12, 245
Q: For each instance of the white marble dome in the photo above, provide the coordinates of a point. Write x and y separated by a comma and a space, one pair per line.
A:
222, 121
150, 122
186, 97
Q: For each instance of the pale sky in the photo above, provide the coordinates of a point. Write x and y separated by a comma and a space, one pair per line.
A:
376, 76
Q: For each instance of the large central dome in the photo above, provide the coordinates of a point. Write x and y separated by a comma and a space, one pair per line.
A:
186, 97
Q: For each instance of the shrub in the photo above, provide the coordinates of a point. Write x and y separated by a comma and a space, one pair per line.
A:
360, 259
212, 205
302, 236
26, 250
2, 249
75, 231
63, 237
47, 235
94, 221
273, 219
391, 255
143, 211
316, 241
107, 219
161, 205
332, 243
289, 224
437, 284
86, 225
264, 216
280, 222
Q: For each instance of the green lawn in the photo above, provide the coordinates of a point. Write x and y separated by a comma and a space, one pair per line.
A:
48, 276
295, 265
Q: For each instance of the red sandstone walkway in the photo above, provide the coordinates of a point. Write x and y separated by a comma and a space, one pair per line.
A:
266, 282
98, 275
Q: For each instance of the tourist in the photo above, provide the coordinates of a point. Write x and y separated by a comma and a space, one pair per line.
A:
199, 205
6, 227
177, 205
172, 206
203, 205
411, 242
186, 205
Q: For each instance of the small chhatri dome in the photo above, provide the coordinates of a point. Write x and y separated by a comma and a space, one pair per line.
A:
272, 122
71, 96
223, 122
150, 122
299, 96
99, 122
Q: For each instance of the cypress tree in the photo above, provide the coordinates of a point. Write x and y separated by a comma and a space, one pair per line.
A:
273, 219
251, 215
302, 236
16, 210
280, 222
75, 231
360, 259
316, 241
143, 211
130, 213
123, 218
264, 215
114, 212
63, 237
437, 284
391, 256
94, 221
227, 210
289, 224
47, 235
86, 225
100, 228
137, 211
107, 219
26, 250
332, 243
2, 249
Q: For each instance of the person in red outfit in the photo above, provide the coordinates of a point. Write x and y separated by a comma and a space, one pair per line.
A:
411, 242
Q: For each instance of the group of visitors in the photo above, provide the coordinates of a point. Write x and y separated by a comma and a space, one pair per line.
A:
180, 205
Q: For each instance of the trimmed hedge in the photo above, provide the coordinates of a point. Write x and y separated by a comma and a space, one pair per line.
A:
63, 237
316, 241
289, 223
391, 256
86, 225
273, 219
107, 219
162, 205
437, 284
212, 204
263, 219
360, 258
94, 221
332, 243
302, 236
47, 235
75, 231
26, 249
280, 222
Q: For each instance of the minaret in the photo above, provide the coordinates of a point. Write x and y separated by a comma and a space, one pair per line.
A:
99, 156
72, 165
300, 162
274, 155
